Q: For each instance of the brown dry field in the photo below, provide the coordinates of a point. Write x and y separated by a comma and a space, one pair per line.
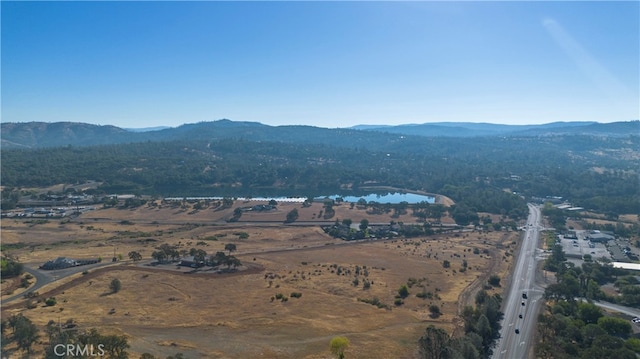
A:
232, 316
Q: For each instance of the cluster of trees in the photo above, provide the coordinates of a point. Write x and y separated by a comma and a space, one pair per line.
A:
23, 332
108, 346
63, 336
482, 328
585, 281
165, 252
619, 229
342, 229
9, 267
556, 216
200, 257
473, 172
573, 329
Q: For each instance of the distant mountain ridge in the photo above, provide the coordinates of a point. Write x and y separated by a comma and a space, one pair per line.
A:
472, 129
43, 134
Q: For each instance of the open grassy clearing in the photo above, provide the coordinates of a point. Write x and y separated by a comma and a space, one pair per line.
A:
164, 312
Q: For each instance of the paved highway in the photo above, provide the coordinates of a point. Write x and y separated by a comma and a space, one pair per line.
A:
512, 345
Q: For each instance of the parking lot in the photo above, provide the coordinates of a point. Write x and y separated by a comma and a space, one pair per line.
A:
576, 248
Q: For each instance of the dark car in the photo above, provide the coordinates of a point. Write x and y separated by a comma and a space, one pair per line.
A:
522, 303
520, 316
517, 331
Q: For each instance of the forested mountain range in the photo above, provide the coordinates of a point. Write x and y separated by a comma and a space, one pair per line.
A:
42, 134
226, 158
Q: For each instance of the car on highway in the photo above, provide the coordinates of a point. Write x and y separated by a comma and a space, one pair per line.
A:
517, 331
520, 316
523, 303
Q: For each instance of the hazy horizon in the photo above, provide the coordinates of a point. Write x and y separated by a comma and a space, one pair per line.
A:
333, 64
151, 128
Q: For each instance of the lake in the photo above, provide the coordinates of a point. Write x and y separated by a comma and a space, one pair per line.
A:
392, 198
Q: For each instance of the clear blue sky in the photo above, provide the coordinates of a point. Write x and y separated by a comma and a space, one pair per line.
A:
328, 64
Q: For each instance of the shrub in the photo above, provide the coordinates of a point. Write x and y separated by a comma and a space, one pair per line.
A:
50, 302
115, 285
296, 295
425, 295
435, 310
374, 301
494, 280
403, 292
366, 284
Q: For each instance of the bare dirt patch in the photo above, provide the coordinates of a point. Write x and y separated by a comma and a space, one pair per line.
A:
244, 315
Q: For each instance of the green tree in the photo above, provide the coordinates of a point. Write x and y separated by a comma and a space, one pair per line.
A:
9, 267
615, 326
114, 345
159, 256
494, 280
633, 344
199, 257
338, 345
403, 292
435, 310
232, 261
433, 344
135, 256
364, 224
231, 247
483, 328
25, 332
589, 313
217, 259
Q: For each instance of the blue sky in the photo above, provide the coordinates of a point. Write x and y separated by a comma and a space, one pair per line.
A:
328, 64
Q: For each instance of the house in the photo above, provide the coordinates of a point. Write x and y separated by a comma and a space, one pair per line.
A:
190, 261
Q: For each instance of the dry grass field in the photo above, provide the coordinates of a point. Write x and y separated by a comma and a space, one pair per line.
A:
164, 311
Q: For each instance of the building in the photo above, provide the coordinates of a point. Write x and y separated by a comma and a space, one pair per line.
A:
190, 261
597, 236
59, 263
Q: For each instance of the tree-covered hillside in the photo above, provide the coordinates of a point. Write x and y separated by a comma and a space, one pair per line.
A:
479, 173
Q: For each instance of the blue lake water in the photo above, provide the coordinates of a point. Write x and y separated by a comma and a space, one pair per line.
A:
392, 198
